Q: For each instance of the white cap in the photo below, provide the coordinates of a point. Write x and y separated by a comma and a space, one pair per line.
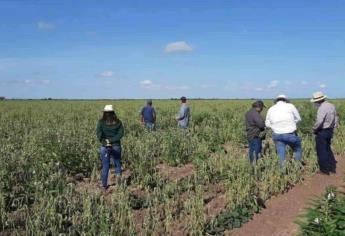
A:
318, 96
282, 96
108, 108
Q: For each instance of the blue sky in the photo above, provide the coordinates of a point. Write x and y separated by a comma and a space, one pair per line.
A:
163, 49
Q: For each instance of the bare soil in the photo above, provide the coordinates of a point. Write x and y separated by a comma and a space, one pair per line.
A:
215, 207
175, 173
281, 212
215, 200
276, 220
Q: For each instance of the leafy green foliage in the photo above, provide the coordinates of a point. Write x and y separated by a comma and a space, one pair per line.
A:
231, 219
326, 215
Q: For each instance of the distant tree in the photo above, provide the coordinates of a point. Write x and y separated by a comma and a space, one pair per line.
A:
2, 98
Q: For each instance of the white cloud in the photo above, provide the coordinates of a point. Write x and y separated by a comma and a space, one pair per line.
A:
42, 25
43, 81
106, 74
259, 89
323, 86
288, 83
206, 86
304, 82
146, 82
273, 84
173, 87
27, 81
179, 46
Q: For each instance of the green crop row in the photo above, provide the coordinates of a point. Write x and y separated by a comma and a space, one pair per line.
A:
44, 145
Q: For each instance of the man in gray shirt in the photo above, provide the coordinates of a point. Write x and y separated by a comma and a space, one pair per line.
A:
255, 127
323, 128
184, 114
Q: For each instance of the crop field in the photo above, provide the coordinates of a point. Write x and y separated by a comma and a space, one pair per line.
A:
175, 182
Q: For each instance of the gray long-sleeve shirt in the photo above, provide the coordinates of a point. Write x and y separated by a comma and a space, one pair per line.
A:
254, 123
183, 116
326, 117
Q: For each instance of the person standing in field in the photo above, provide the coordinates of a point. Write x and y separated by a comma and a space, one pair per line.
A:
109, 132
282, 118
184, 114
255, 128
148, 116
326, 122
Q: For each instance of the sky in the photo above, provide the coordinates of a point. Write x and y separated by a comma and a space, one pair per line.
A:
83, 49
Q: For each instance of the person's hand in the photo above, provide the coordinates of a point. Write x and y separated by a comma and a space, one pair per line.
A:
107, 143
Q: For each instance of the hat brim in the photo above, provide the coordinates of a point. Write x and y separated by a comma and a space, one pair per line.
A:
318, 99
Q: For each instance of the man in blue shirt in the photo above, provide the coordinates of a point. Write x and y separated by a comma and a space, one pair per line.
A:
184, 114
148, 116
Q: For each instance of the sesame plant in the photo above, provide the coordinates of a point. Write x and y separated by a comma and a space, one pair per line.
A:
50, 169
326, 216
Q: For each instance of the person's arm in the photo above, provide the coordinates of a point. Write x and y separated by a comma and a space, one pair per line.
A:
99, 132
182, 113
259, 121
268, 121
154, 115
336, 121
142, 115
320, 118
296, 114
119, 134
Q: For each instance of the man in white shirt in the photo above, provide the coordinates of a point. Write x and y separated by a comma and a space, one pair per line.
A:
282, 118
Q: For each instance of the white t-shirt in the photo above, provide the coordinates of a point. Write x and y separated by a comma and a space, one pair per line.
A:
282, 118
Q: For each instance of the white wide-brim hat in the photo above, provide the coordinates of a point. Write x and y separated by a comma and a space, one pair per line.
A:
108, 108
318, 96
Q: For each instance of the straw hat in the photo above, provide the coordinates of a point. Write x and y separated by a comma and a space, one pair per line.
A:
108, 108
318, 96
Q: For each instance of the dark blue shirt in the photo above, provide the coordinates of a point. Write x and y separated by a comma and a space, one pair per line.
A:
148, 113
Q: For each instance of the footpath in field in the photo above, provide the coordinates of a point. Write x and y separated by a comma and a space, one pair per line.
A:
281, 212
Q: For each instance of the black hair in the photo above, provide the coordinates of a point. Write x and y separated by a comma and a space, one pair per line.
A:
282, 100
109, 117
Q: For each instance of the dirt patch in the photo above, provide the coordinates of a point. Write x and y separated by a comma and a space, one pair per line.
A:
215, 207
87, 186
139, 217
278, 219
179, 227
18, 217
175, 173
137, 192
212, 191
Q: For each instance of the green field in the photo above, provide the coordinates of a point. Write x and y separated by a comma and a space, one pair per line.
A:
50, 169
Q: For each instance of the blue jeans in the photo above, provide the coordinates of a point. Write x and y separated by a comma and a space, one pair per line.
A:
281, 140
255, 147
325, 155
150, 126
107, 154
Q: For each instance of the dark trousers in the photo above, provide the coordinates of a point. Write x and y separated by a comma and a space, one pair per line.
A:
255, 147
324, 152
